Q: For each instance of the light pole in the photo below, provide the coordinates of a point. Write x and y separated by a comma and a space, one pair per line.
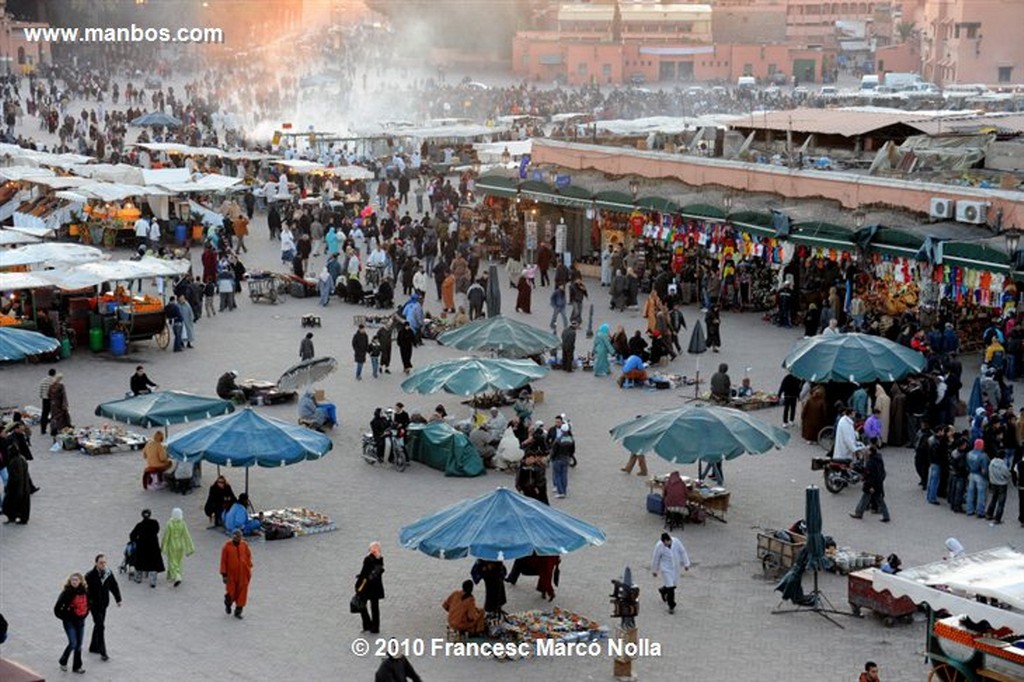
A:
634, 189
727, 203
1012, 236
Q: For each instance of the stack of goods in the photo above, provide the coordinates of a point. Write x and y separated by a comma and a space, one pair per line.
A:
102, 440
846, 560
30, 414
557, 624
299, 521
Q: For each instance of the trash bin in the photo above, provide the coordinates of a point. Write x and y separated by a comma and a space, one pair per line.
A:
65, 348
96, 339
179, 234
198, 233
118, 343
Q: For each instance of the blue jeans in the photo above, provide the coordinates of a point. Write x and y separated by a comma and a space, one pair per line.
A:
976, 488
375, 364
74, 628
934, 475
177, 327
560, 474
555, 312
359, 370
3, 483
1011, 367
957, 488
330, 411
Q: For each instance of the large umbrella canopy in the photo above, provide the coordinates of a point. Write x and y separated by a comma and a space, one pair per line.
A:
156, 118
164, 408
470, 376
812, 555
699, 432
505, 336
49, 252
499, 526
854, 358
246, 439
493, 292
306, 373
18, 344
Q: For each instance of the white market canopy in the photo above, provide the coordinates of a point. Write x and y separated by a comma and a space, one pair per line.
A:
187, 150
301, 165
24, 156
49, 252
13, 281
491, 152
22, 172
96, 273
41, 232
350, 173
211, 182
668, 125
116, 191
14, 238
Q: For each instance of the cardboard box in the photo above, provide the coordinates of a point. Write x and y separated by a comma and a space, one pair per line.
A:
319, 395
538, 397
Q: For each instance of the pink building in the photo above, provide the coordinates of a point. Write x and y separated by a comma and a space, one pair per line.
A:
976, 41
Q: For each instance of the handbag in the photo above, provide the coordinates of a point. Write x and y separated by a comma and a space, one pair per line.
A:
357, 603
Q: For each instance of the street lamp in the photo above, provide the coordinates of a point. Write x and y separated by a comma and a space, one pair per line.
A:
727, 202
858, 219
1012, 236
634, 189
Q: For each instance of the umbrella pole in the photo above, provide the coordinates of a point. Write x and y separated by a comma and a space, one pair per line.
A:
247, 492
817, 603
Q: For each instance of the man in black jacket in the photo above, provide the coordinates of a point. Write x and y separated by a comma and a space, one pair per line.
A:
100, 583
874, 486
789, 391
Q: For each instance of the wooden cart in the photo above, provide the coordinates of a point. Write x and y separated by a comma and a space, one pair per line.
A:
862, 595
143, 324
778, 555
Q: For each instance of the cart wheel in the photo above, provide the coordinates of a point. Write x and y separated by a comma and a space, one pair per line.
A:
943, 672
163, 339
889, 621
855, 608
272, 295
827, 438
771, 563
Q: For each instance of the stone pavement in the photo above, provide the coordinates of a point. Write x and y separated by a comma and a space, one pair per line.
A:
297, 624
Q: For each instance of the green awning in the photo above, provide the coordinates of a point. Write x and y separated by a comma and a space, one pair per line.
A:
576, 192
702, 211
536, 186
658, 204
752, 222
826, 235
891, 241
614, 201
496, 186
975, 255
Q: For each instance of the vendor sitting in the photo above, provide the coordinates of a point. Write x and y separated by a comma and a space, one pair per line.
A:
464, 616
140, 383
633, 372
237, 517
721, 385
318, 415
228, 388
745, 390
157, 461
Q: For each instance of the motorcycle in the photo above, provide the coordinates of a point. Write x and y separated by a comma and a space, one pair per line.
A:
838, 473
394, 449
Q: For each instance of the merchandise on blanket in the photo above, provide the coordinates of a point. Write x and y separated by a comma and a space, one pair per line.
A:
299, 521
556, 624
30, 414
845, 560
104, 440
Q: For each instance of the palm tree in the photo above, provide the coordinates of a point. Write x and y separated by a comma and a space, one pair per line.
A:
617, 24
905, 30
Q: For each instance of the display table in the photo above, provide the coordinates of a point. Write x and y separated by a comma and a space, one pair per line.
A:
262, 392
103, 440
301, 522
714, 501
759, 401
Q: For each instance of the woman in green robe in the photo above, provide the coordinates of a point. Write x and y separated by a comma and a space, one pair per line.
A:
602, 350
176, 544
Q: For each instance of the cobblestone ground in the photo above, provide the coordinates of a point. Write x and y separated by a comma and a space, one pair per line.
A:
297, 624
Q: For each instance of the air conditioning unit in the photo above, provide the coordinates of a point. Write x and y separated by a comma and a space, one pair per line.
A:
941, 209
973, 212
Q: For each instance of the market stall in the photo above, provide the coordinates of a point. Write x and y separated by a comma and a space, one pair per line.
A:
712, 501
101, 440
975, 606
280, 524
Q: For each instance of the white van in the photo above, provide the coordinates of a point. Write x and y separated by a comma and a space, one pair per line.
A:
869, 82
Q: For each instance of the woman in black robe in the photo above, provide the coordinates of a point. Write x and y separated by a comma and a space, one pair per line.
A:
149, 560
17, 498
525, 296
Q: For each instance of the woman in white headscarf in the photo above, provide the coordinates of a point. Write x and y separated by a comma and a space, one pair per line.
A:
176, 543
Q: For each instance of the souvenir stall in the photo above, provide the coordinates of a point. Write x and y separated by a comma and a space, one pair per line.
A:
102, 440
559, 624
280, 524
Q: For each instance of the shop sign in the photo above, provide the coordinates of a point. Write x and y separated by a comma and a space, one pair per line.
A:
524, 163
531, 235
563, 181
560, 235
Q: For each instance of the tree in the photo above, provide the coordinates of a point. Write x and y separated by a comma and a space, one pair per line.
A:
617, 24
905, 30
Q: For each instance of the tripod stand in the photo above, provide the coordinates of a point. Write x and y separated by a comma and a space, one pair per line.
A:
816, 602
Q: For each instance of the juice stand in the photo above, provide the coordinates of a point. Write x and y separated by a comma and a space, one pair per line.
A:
975, 606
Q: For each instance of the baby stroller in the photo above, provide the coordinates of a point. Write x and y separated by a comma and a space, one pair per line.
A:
128, 563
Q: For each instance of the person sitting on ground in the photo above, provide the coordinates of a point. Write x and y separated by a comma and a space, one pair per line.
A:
496, 425
228, 388
237, 517
319, 415
745, 390
638, 346
721, 385
155, 454
140, 383
218, 501
633, 372
464, 616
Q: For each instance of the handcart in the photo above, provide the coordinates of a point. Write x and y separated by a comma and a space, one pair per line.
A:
862, 595
263, 287
777, 554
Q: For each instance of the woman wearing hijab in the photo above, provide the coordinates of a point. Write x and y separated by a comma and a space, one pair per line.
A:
525, 296
814, 416
370, 585
60, 417
148, 559
464, 616
177, 544
219, 500
602, 352
155, 456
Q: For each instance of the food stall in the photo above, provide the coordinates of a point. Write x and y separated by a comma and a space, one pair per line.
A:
713, 501
975, 607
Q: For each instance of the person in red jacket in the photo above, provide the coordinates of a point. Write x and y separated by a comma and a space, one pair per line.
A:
870, 673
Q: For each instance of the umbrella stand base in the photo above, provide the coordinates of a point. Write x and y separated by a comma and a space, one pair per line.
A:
817, 603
